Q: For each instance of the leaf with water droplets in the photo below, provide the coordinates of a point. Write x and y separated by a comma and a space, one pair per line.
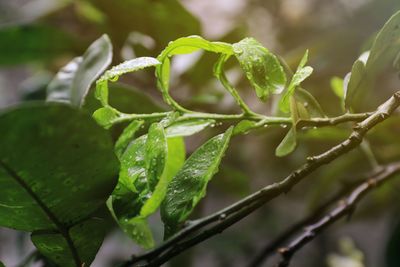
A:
174, 162
185, 45
155, 155
138, 229
56, 183
113, 75
189, 185
86, 236
262, 68
187, 127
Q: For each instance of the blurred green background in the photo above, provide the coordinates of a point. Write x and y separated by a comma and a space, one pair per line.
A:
38, 37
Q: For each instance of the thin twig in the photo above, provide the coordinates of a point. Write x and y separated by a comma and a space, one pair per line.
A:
344, 207
273, 246
226, 217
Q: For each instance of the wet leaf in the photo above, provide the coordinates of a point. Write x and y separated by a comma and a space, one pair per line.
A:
56, 182
188, 187
187, 127
86, 236
262, 68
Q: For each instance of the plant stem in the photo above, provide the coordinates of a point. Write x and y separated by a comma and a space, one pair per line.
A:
261, 119
344, 207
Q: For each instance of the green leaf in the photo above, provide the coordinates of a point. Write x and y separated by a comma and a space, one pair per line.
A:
155, 155
175, 160
262, 68
106, 116
244, 126
87, 238
113, 75
354, 80
131, 210
133, 164
189, 185
32, 43
2, 264
138, 229
337, 87
309, 102
60, 88
187, 127
288, 144
384, 50
126, 137
185, 45
135, 207
49, 178
386, 45
144, 160
300, 75
73, 82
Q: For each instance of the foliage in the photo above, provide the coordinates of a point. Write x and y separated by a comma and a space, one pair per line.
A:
59, 169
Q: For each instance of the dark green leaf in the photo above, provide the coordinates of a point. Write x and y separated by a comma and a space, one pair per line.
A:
87, 238
262, 68
189, 185
51, 178
288, 144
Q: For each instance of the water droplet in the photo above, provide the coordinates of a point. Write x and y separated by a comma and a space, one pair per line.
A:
283, 126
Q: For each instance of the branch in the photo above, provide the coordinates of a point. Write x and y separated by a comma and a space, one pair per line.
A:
273, 246
261, 119
344, 207
226, 217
